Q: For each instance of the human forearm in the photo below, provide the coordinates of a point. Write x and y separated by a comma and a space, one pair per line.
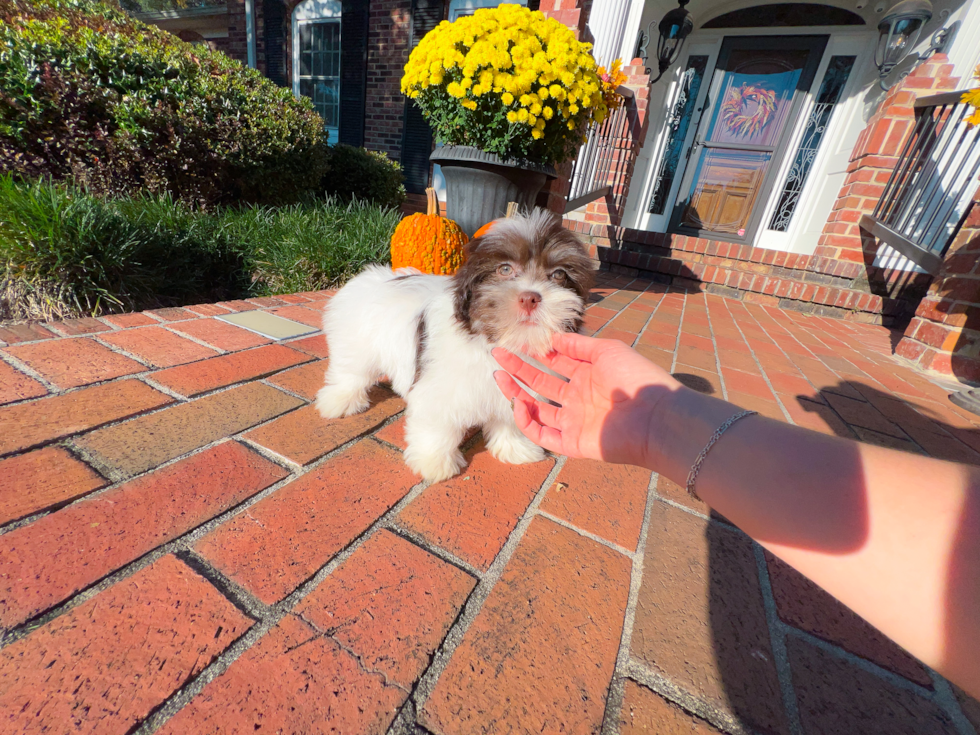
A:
883, 531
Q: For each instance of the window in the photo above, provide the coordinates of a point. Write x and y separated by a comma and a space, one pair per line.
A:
319, 70
316, 59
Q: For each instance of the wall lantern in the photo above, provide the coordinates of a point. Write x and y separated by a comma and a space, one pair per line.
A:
675, 27
898, 33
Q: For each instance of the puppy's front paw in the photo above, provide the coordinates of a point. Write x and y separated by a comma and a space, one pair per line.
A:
334, 401
515, 449
435, 467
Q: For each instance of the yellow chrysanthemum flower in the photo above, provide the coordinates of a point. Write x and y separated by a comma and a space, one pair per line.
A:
499, 57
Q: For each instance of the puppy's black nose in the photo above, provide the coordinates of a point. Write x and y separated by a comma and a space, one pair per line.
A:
529, 300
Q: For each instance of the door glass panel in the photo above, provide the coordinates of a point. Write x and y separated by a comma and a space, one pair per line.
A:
319, 71
756, 95
831, 89
727, 185
677, 126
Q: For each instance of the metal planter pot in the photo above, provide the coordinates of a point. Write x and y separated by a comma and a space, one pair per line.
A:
479, 185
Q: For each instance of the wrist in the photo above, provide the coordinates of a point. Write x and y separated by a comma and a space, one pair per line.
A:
680, 425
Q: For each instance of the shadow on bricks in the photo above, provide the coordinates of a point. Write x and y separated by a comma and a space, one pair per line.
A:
702, 620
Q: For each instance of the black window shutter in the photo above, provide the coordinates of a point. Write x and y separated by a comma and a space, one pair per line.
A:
274, 14
533, 4
416, 133
353, 70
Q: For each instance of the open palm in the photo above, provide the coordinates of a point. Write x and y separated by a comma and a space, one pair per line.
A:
605, 408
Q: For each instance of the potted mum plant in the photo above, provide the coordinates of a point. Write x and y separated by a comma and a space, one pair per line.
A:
511, 94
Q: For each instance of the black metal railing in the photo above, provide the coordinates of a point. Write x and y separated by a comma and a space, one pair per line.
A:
929, 191
598, 165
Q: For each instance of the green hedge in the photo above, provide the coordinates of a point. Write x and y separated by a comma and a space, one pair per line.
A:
68, 253
91, 95
355, 173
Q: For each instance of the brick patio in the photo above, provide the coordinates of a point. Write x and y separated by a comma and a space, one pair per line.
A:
188, 547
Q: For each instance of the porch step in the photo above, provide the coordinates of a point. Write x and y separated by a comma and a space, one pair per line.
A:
805, 291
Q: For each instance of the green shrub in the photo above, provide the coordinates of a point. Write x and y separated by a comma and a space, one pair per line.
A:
67, 253
355, 173
92, 95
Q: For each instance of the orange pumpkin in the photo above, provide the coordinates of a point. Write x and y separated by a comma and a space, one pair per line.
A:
483, 230
511, 211
431, 243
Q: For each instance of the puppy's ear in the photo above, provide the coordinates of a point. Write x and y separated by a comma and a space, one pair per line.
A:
465, 280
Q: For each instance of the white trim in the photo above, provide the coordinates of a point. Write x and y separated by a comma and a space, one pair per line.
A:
250, 32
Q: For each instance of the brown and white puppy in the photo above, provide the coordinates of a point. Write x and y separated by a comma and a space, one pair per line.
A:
526, 280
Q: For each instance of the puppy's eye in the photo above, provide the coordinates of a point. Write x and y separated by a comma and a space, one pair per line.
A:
559, 275
505, 270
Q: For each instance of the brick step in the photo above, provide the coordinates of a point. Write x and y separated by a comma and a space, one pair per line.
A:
799, 290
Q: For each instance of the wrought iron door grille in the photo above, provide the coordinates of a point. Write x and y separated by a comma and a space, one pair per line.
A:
927, 194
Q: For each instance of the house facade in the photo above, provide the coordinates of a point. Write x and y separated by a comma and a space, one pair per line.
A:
773, 161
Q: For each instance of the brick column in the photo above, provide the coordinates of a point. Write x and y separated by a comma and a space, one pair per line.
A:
944, 335
569, 12
874, 158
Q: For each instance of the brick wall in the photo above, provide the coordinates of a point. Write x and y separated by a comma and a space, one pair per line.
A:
874, 157
390, 27
236, 45
945, 333
839, 279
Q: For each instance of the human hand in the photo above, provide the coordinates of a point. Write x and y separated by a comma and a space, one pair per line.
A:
607, 408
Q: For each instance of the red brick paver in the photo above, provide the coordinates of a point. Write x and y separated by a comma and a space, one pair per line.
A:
539, 656
192, 380
158, 347
102, 667
64, 552
221, 334
15, 386
132, 540
29, 424
473, 513
69, 363
41, 479
303, 436
281, 541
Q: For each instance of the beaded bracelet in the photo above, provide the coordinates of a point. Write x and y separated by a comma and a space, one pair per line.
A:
693, 475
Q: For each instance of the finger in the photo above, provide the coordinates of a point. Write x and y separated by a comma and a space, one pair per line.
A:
578, 347
541, 383
543, 436
543, 413
561, 364
506, 359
